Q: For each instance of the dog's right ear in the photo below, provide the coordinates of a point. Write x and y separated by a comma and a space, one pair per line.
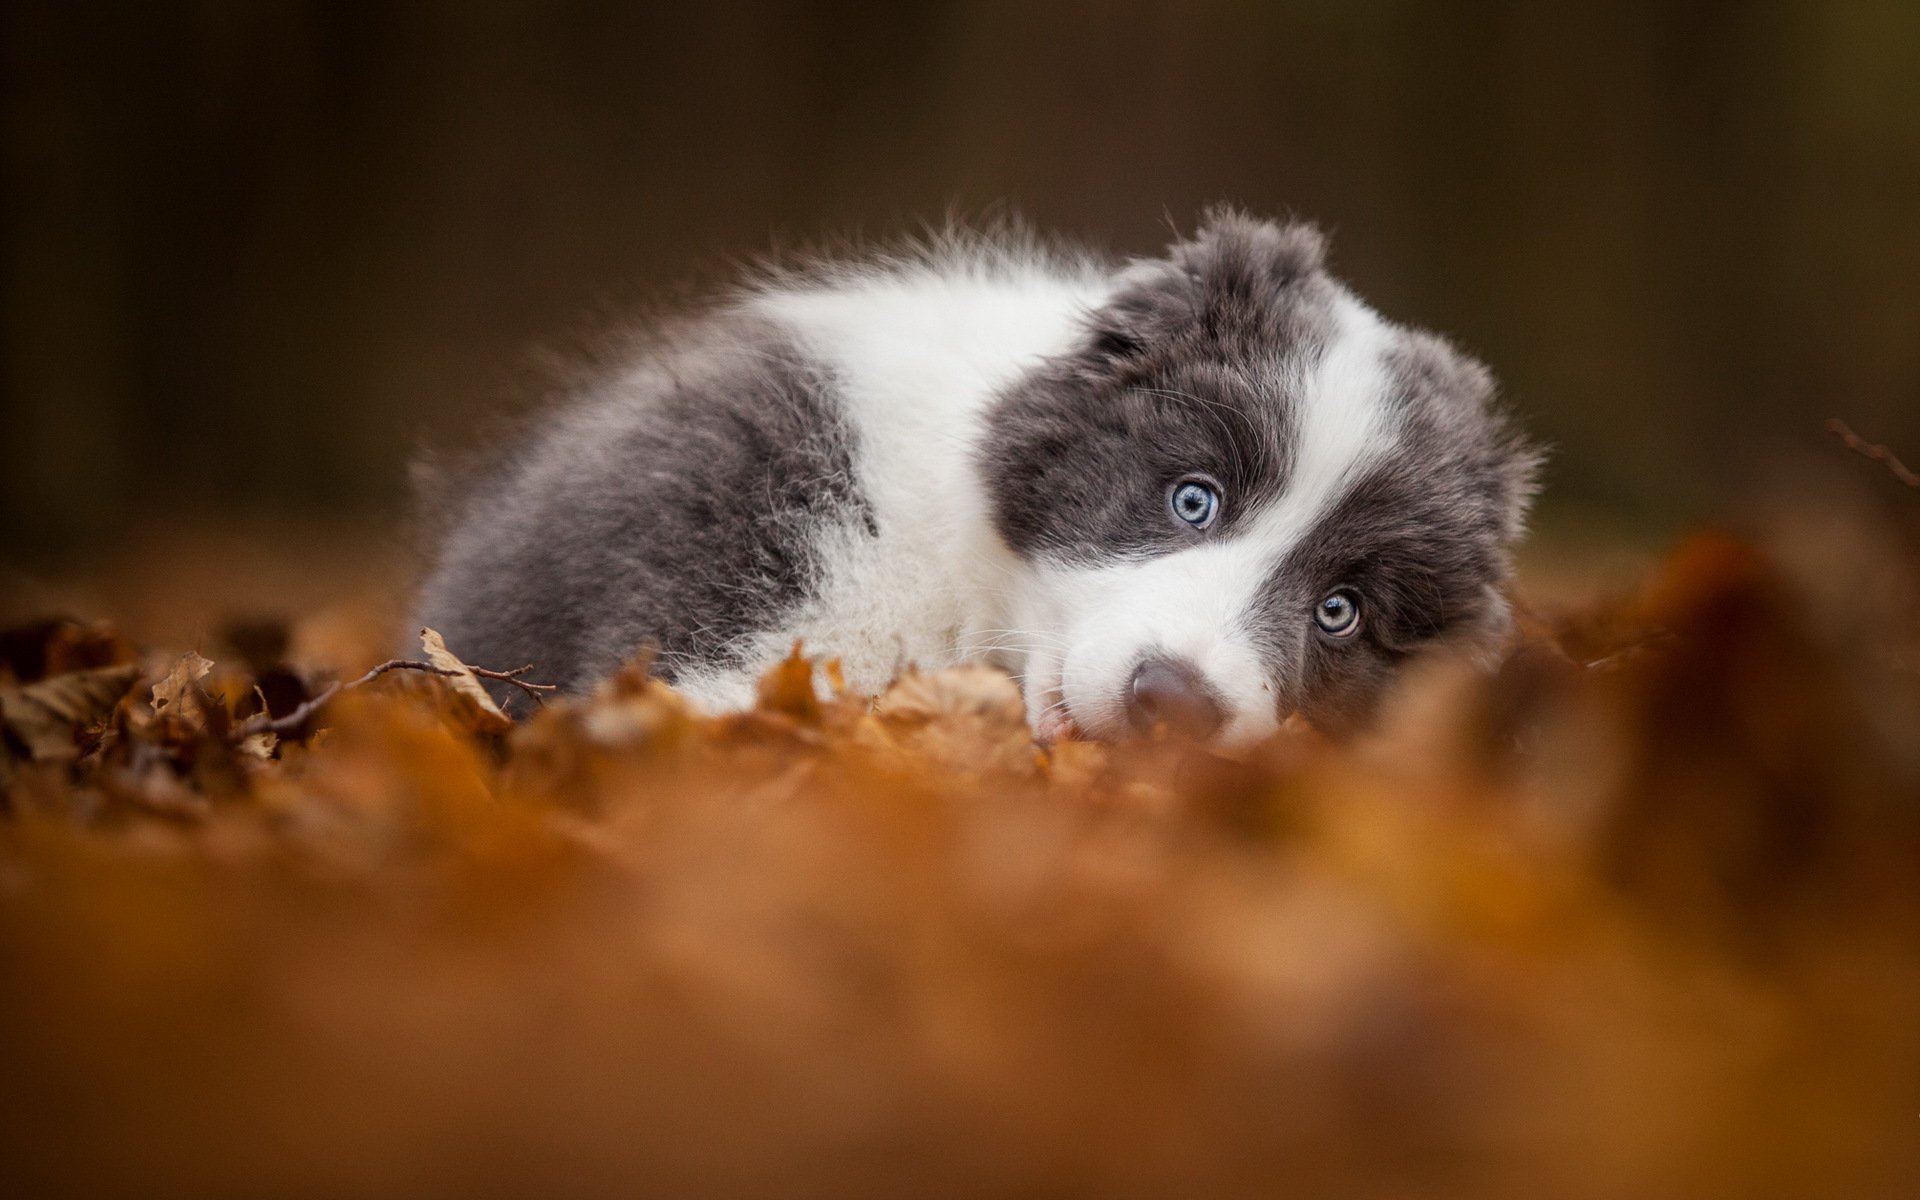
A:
1150, 306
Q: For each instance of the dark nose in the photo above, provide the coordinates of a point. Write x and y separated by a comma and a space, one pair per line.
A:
1172, 692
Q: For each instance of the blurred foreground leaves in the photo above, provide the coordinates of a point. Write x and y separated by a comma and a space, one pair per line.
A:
1637, 914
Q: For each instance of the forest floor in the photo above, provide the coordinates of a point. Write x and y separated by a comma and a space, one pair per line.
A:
1635, 914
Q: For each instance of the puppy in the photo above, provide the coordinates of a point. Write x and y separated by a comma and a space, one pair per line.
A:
1207, 491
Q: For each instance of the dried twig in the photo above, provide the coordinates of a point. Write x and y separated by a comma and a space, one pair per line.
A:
1874, 451
299, 715
536, 690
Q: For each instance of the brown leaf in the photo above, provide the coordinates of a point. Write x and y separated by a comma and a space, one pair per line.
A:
57, 645
85, 647
177, 694
45, 716
980, 695
787, 688
968, 718
476, 706
259, 745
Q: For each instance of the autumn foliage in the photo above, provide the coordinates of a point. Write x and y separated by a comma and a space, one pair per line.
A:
1635, 914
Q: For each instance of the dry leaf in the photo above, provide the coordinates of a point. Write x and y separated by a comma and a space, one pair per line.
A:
259, 745
177, 694
45, 716
475, 704
968, 718
973, 693
58, 646
787, 688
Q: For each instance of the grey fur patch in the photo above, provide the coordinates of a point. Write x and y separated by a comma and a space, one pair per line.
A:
1184, 370
1423, 537
680, 508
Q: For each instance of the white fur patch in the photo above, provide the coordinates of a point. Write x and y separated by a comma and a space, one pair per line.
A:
918, 352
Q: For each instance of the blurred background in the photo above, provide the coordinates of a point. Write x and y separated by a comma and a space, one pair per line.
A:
257, 251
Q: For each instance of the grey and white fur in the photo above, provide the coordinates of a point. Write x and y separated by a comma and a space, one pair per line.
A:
1211, 489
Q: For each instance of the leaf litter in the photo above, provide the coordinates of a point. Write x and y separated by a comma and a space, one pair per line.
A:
1634, 913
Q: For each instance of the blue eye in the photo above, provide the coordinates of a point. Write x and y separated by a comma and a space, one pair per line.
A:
1338, 613
1195, 503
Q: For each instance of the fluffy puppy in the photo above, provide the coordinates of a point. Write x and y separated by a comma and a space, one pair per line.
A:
1207, 490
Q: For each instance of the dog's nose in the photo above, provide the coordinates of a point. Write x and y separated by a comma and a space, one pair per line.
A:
1172, 692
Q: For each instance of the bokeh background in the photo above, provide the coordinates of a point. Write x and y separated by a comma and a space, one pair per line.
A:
258, 251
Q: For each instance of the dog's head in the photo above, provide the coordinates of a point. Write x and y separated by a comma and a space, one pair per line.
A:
1244, 495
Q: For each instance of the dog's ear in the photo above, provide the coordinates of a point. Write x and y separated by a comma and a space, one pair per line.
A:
1111, 342
1436, 375
1225, 280
1519, 463
1234, 255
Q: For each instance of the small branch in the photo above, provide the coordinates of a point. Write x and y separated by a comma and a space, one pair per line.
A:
536, 690
1877, 453
301, 713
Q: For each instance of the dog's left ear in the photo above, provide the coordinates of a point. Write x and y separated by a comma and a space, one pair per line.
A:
1435, 376
1220, 282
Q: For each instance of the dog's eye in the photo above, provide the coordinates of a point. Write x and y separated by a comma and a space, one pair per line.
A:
1338, 613
1195, 502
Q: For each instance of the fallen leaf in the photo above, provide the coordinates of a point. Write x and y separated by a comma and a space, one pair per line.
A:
787, 688
968, 718
176, 694
45, 716
260, 745
974, 693
475, 705
58, 645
